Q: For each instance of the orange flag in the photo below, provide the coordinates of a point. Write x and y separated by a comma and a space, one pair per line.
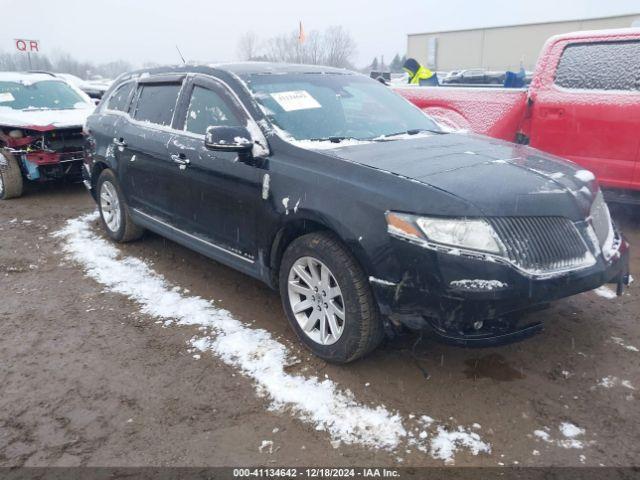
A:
301, 35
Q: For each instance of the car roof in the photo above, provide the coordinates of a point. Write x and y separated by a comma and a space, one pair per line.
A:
242, 69
29, 77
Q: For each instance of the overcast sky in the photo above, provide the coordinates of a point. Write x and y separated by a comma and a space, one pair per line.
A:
148, 30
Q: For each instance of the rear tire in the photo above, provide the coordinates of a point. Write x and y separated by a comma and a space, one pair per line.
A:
11, 181
361, 330
114, 211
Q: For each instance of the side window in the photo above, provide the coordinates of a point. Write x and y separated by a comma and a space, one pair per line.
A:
208, 108
600, 66
119, 100
157, 102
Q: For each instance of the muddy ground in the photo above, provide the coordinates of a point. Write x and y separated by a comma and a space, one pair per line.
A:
86, 379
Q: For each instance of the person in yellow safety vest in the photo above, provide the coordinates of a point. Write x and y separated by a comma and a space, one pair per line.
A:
419, 75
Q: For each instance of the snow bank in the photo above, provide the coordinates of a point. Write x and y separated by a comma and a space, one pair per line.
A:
253, 351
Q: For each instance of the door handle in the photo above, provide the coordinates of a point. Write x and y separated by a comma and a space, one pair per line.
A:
119, 142
181, 160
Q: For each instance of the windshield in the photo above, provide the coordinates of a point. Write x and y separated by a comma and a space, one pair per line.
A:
335, 107
45, 95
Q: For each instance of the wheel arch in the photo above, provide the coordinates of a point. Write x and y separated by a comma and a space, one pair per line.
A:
98, 167
310, 223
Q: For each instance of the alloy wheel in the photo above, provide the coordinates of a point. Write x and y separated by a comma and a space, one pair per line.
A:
316, 300
110, 206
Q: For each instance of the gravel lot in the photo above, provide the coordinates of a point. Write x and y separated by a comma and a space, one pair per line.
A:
87, 379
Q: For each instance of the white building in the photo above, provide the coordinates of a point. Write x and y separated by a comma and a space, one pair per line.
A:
499, 48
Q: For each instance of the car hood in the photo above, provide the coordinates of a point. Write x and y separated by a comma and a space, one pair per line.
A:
44, 119
499, 178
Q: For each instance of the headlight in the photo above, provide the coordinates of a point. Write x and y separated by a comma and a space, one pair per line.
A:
471, 234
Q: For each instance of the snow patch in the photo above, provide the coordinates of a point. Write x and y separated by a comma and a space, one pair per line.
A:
266, 445
542, 435
570, 430
478, 284
381, 282
611, 381
326, 144
621, 342
446, 443
44, 118
584, 175
605, 292
266, 180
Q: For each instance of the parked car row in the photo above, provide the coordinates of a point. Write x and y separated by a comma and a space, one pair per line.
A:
477, 76
94, 88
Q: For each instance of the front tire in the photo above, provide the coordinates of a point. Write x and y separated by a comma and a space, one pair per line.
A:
327, 299
114, 211
11, 181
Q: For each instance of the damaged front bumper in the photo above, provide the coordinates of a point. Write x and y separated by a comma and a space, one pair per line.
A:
47, 153
472, 302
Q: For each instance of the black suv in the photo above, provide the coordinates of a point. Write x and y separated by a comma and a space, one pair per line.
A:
355, 204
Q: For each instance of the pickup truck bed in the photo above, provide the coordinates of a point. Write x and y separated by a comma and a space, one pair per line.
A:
495, 112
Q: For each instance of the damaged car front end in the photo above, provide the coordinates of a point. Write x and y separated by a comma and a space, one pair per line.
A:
41, 120
472, 280
476, 294
45, 153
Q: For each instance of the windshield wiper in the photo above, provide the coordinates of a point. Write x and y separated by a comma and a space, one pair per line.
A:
413, 131
335, 139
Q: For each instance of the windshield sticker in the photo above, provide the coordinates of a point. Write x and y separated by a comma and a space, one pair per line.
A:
295, 100
6, 97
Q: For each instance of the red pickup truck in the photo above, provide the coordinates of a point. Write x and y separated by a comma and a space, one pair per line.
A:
583, 104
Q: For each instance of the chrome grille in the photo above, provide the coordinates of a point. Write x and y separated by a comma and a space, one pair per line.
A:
541, 244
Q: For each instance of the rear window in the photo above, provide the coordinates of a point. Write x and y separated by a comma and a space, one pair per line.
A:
157, 102
600, 66
119, 100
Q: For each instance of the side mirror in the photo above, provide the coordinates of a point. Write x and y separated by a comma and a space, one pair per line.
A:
228, 139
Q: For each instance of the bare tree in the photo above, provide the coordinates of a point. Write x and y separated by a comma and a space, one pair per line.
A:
282, 48
62, 62
248, 46
334, 47
339, 46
